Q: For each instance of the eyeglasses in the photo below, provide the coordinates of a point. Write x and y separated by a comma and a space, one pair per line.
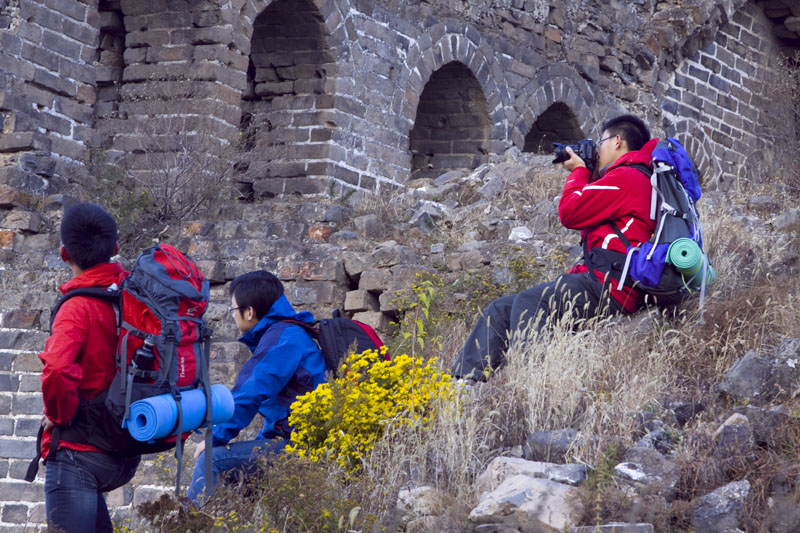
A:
601, 141
232, 309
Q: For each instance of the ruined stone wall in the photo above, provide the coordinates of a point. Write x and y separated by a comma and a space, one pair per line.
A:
339, 94
724, 99
321, 96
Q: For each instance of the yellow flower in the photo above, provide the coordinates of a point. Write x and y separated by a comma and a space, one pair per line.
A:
344, 419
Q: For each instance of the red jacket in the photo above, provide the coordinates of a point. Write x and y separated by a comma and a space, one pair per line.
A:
78, 356
621, 195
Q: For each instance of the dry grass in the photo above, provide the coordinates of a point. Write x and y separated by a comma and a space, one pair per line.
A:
597, 378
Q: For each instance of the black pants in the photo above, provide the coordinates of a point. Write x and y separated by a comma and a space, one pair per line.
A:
583, 294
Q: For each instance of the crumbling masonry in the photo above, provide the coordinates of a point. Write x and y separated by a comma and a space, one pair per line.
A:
321, 96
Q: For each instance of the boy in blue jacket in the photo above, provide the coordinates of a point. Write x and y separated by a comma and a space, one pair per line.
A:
285, 364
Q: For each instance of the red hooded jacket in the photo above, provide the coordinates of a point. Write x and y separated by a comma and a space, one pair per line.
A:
621, 195
78, 356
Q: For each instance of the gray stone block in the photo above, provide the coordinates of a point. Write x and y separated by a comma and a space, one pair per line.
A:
614, 527
747, 379
722, 509
18, 449
370, 226
375, 319
26, 404
375, 280
360, 300
550, 445
15, 513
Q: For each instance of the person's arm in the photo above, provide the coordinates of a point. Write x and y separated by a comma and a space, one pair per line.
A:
262, 377
584, 205
62, 372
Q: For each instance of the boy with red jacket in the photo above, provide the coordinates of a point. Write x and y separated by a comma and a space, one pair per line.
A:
79, 365
619, 198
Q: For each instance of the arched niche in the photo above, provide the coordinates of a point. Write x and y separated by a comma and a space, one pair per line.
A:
452, 127
557, 124
286, 119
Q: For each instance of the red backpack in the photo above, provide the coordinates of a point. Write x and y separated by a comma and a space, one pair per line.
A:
163, 348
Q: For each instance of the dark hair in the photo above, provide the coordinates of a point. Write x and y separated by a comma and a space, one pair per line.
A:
630, 128
258, 289
89, 234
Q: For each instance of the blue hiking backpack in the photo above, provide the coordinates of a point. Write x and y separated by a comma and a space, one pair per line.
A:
671, 266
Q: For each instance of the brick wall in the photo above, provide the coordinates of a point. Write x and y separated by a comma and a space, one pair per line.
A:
135, 77
719, 99
369, 95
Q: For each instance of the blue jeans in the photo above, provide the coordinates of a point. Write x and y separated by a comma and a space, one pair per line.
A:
233, 459
74, 486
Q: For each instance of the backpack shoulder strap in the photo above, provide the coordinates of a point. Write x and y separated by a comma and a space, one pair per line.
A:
311, 329
622, 237
644, 169
110, 295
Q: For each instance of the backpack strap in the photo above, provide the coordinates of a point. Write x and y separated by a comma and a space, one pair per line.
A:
608, 261
652, 175
33, 466
644, 169
623, 276
111, 295
311, 329
209, 436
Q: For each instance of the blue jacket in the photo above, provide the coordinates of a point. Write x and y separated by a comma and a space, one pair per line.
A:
286, 363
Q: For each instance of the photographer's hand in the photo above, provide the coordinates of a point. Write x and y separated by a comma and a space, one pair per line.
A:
574, 161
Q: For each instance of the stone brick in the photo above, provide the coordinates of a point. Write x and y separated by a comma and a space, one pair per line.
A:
21, 491
711, 64
375, 280
80, 32
388, 256
698, 73
7, 239
731, 74
30, 383
9, 382
6, 426
18, 141
327, 270
214, 271
27, 427
37, 513
360, 300
55, 83
375, 319
727, 102
18, 449
15, 513
394, 300
28, 221
25, 404
319, 232
41, 56
11, 197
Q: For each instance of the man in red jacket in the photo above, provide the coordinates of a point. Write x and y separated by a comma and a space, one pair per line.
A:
620, 196
79, 365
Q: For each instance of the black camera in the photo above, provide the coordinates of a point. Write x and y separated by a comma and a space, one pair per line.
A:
585, 149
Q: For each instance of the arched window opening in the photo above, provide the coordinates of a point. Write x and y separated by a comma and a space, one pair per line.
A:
110, 64
556, 124
284, 127
451, 130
